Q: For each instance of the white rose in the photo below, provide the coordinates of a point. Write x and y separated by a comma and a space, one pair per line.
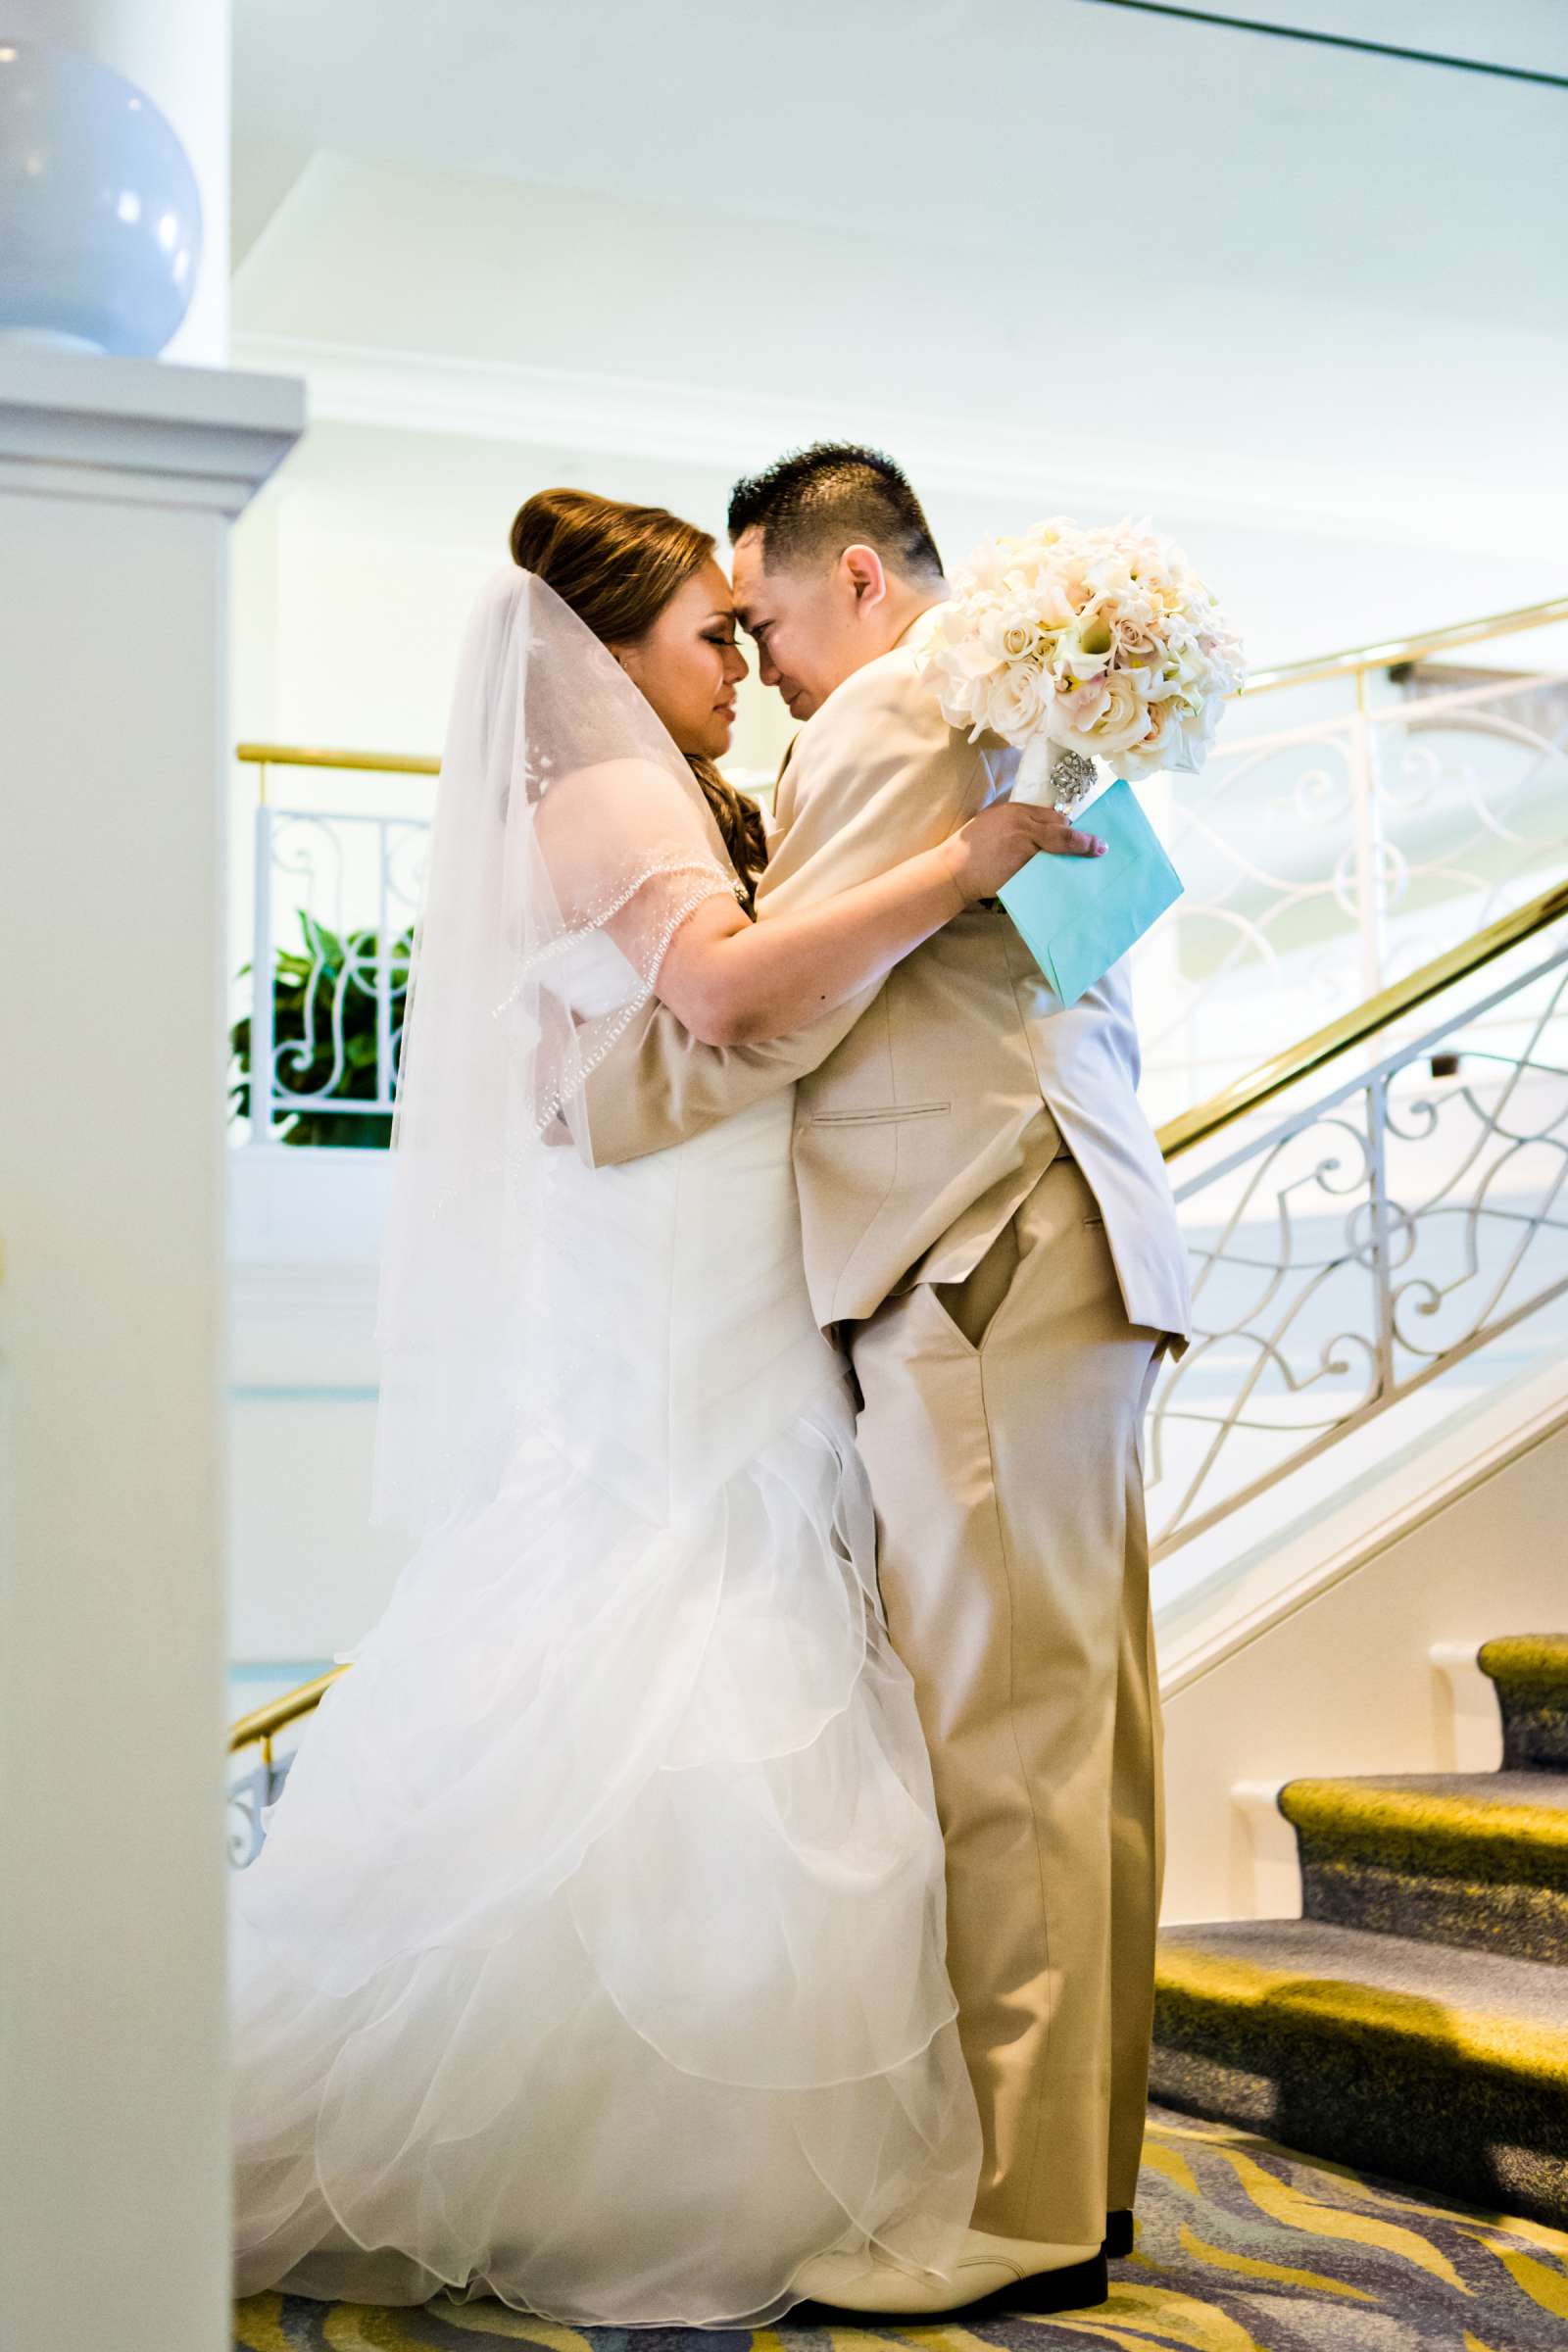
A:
956, 695
1123, 716
1018, 702
1137, 622
1159, 748
977, 655
1020, 629
996, 630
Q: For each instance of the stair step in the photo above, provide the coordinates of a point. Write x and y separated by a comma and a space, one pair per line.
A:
1432, 2065
1531, 1674
1475, 1859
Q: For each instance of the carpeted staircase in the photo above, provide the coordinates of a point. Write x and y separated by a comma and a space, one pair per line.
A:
1414, 2020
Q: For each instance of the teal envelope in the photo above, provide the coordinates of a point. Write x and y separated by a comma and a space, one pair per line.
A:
1079, 915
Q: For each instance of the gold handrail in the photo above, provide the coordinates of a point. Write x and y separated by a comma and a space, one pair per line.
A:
1310, 1053
259, 1727
1388, 654
301, 755
1353, 658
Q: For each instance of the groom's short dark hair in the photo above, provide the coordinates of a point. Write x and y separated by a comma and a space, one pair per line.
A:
817, 500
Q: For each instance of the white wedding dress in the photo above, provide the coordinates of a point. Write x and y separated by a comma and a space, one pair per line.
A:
595, 1958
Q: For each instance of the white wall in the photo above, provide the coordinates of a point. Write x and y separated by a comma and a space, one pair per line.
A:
1346, 1684
307, 1573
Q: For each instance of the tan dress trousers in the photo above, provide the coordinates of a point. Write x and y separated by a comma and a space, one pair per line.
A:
1002, 1429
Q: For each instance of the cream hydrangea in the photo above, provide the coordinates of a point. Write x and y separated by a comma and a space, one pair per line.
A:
1099, 641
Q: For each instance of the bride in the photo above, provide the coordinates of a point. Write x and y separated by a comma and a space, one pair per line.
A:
595, 1956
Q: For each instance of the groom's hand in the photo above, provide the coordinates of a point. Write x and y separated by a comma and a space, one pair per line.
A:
995, 844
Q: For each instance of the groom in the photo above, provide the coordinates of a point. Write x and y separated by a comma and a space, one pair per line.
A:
988, 1224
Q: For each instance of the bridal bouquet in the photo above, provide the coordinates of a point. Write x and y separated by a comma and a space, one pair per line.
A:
1069, 643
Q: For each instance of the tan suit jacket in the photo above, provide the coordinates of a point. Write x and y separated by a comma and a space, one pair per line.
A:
929, 1107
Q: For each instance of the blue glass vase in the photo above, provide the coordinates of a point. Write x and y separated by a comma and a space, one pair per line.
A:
100, 214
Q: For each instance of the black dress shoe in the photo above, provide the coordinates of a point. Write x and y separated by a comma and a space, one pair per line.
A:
1077, 2287
1118, 2233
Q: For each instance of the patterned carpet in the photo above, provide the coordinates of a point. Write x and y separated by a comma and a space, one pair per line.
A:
1241, 2247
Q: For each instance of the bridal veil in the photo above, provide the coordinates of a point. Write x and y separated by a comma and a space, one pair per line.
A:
564, 806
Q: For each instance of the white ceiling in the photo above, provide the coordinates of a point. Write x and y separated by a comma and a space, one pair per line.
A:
1086, 139
1526, 33
1048, 247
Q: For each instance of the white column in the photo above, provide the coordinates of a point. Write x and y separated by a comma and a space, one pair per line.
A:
119, 479
179, 51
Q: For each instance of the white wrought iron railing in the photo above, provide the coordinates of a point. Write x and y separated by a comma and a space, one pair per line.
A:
1356, 1232
335, 896
1359, 815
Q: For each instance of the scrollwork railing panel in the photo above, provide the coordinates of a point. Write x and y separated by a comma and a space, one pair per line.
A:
327, 1013
1324, 861
1351, 1252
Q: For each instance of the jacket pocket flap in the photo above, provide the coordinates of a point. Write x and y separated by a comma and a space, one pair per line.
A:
877, 1118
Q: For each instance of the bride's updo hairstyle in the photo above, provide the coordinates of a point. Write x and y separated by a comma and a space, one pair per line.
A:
617, 567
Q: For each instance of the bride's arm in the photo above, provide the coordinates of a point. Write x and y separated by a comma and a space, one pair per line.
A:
732, 981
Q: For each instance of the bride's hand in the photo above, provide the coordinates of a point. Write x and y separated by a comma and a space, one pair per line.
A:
993, 847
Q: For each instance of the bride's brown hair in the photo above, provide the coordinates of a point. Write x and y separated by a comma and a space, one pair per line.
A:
617, 567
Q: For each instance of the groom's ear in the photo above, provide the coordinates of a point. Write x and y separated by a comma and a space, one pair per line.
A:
862, 569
